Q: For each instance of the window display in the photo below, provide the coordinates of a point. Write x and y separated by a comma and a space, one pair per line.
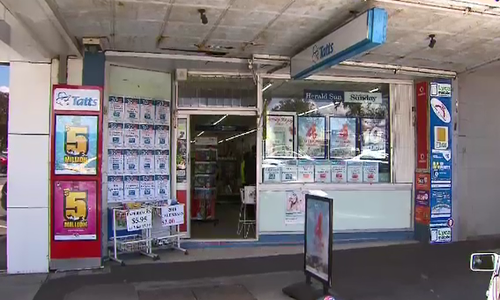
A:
336, 132
138, 150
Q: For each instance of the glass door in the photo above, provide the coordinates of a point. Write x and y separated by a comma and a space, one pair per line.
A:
182, 167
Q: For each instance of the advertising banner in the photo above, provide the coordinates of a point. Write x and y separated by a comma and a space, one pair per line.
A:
374, 141
181, 158
441, 162
422, 120
76, 139
75, 210
295, 207
279, 136
342, 137
311, 135
76, 99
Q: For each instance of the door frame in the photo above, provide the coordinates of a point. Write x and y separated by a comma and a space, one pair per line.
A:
186, 113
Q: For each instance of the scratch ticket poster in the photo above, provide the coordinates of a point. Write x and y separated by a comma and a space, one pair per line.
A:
131, 188
162, 136
115, 135
146, 162
131, 110
162, 162
312, 140
147, 188
131, 161
162, 187
147, 136
147, 109
162, 112
115, 189
115, 161
131, 136
116, 109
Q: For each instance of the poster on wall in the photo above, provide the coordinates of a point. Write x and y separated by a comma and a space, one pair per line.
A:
131, 188
115, 135
162, 162
162, 137
339, 172
289, 173
295, 207
116, 109
440, 161
422, 125
181, 150
131, 136
305, 171
147, 109
354, 172
115, 161
272, 174
342, 137
422, 208
146, 162
147, 136
162, 187
311, 136
374, 140
131, 161
318, 237
370, 172
76, 145
162, 112
115, 189
279, 136
132, 109
75, 210
322, 172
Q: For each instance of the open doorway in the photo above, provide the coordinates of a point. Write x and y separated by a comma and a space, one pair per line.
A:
219, 144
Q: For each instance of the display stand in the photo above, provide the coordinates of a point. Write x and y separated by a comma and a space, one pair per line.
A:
166, 226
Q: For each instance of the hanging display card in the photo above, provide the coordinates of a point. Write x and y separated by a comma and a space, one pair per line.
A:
139, 219
289, 173
131, 161
131, 188
131, 136
146, 162
339, 172
147, 111
161, 161
322, 172
354, 172
370, 172
115, 135
116, 109
115, 188
306, 171
162, 112
147, 136
162, 137
162, 187
272, 174
115, 162
131, 110
172, 215
147, 188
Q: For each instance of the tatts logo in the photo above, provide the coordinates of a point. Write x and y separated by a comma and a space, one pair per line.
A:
440, 110
76, 144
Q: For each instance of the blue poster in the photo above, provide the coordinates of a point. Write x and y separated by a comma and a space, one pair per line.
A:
76, 145
441, 132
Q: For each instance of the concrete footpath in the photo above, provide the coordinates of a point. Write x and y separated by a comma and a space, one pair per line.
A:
410, 272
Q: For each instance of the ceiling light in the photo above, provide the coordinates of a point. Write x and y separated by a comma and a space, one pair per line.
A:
238, 135
199, 134
266, 87
220, 120
315, 109
374, 90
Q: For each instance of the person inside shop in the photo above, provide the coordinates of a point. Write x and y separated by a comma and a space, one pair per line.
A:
250, 174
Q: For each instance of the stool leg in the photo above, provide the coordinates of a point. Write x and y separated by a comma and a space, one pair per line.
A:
240, 223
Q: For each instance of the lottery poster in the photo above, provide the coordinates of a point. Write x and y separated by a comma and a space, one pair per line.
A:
131, 161
162, 137
131, 110
272, 174
131, 188
162, 112
342, 137
147, 136
162, 187
354, 172
115, 135
374, 139
115, 162
279, 136
305, 171
295, 207
147, 109
75, 210
322, 172
131, 136
116, 109
339, 171
115, 189
312, 139
162, 162
289, 173
146, 162
76, 145
370, 172
146, 188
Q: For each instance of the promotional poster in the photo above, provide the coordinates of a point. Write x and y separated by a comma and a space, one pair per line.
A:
342, 137
279, 136
289, 173
354, 172
76, 145
306, 171
322, 172
422, 120
147, 136
131, 161
146, 162
318, 232
131, 188
116, 109
147, 111
422, 208
339, 172
162, 112
115, 189
162, 162
295, 207
162, 137
75, 210
115, 135
311, 135
374, 140
132, 110
370, 172
115, 162
441, 131
162, 187
272, 174
131, 136
147, 188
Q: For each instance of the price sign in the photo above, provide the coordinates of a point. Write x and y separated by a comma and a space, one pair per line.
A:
441, 235
172, 215
138, 219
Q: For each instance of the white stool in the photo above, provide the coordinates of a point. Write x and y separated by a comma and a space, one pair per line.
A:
247, 195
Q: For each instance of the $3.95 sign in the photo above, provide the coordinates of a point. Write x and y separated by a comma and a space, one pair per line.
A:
441, 235
172, 215
138, 219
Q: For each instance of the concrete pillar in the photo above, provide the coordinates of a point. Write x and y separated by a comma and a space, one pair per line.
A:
28, 225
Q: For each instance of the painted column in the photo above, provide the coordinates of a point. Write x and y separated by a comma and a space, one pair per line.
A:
28, 169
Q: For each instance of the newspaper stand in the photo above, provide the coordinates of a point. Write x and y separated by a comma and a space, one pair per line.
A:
138, 224
166, 232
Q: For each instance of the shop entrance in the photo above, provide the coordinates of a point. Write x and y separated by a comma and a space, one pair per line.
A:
221, 152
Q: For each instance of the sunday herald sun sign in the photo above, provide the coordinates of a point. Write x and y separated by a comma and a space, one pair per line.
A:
362, 34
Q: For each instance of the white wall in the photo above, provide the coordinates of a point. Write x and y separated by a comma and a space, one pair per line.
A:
477, 196
29, 166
